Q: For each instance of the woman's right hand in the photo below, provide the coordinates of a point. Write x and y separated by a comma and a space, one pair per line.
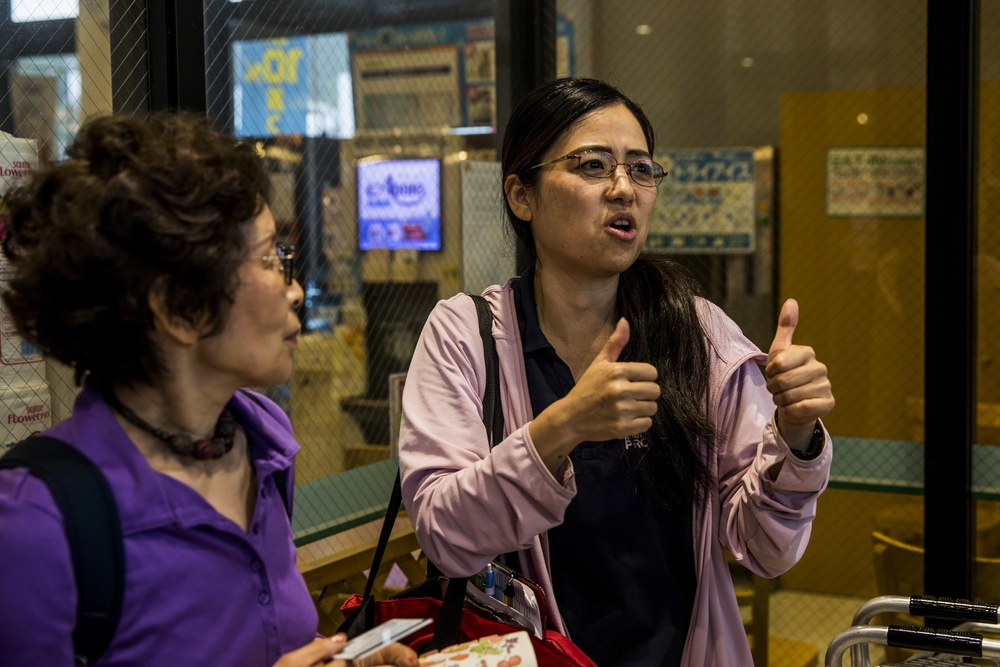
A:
320, 651
611, 400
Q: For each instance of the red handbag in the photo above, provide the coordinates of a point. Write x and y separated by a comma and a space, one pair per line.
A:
554, 650
455, 620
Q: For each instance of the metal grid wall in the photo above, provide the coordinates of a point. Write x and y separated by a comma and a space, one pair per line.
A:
828, 100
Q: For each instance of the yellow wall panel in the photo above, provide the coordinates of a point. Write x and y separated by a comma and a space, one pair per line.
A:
859, 281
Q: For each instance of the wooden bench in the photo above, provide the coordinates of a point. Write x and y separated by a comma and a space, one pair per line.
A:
336, 524
337, 566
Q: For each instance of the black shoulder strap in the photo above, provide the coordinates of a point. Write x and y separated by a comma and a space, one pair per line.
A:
446, 631
492, 409
93, 530
450, 618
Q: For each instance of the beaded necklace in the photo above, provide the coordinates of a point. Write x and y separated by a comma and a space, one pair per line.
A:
214, 447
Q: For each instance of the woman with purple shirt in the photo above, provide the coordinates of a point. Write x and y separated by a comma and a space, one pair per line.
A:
148, 262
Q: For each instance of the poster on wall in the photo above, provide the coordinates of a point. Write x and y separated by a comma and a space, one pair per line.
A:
706, 203
409, 88
19, 159
399, 204
434, 74
875, 182
479, 56
271, 97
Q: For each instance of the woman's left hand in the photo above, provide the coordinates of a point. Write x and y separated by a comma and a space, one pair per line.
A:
797, 380
320, 651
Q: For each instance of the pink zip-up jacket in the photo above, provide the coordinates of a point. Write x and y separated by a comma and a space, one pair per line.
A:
468, 504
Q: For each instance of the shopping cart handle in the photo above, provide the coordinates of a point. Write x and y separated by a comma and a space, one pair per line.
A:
952, 609
934, 639
928, 607
861, 633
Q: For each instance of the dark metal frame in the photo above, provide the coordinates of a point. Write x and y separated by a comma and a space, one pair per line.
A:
950, 277
525, 59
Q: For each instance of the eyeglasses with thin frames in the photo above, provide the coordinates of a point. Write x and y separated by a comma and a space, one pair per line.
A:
283, 260
601, 164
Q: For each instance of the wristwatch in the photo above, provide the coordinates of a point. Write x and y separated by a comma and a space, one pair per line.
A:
815, 447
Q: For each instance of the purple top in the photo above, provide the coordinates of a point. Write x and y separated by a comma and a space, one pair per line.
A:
198, 589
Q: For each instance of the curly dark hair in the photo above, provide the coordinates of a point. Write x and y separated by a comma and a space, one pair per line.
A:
163, 203
658, 294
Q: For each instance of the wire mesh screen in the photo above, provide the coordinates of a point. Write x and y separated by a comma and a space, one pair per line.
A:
376, 124
793, 134
840, 95
837, 91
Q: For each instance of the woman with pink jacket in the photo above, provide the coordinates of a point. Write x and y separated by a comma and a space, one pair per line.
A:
645, 436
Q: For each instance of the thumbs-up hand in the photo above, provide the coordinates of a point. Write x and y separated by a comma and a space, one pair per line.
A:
612, 399
797, 380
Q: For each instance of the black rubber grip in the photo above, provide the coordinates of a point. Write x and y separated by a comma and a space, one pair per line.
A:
929, 639
952, 609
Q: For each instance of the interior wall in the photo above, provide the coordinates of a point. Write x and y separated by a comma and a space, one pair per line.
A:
871, 297
689, 73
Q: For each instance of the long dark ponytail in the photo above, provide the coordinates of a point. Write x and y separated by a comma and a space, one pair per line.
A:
659, 297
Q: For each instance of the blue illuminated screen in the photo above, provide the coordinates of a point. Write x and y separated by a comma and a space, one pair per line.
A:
399, 204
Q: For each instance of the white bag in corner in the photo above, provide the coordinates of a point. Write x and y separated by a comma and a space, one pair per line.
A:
24, 395
18, 160
23, 413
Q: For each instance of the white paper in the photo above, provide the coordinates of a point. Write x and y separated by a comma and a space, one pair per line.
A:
511, 650
380, 636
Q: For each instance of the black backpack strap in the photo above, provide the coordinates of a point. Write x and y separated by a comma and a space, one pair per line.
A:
93, 531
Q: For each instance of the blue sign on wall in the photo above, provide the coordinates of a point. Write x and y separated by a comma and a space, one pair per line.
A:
399, 204
272, 87
707, 202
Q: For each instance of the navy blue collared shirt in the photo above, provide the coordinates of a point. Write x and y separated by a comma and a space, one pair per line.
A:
622, 564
